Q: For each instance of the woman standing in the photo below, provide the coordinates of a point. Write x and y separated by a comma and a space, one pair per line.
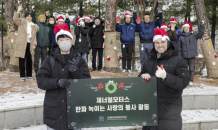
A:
25, 43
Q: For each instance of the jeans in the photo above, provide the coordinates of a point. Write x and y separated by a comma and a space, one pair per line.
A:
39, 51
28, 61
191, 66
84, 55
145, 49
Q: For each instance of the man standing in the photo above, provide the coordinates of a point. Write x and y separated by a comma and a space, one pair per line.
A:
42, 38
127, 38
146, 34
172, 75
173, 23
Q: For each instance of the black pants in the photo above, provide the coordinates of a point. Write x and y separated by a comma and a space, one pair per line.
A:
127, 55
100, 54
191, 65
39, 51
28, 60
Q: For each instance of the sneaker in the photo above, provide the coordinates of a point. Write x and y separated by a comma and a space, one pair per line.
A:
124, 71
190, 83
99, 69
29, 77
23, 79
130, 72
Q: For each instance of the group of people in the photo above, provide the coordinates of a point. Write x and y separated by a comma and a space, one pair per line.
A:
166, 53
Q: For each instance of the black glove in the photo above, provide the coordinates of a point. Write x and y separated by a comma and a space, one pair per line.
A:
72, 65
136, 8
63, 83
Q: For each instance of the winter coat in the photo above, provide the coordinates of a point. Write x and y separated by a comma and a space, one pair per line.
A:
172, 35
169, 90
21, 41
127, 35
82, 46
68, 22
55, 102
147, 32
178, 32
96, 36
188, 43
51, 33
42, 35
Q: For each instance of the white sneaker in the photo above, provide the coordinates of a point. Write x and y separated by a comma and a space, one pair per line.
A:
130, 72
190, 83
29, 77
22, 79
124, 71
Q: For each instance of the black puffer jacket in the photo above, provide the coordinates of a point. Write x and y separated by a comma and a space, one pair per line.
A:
82, 46
169, 90
96, 35
55, 102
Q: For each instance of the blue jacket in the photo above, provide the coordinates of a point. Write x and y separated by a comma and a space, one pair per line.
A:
127, 35
179, 33
68, 22
147, 32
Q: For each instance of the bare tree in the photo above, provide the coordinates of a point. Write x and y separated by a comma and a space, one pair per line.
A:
206, 46
153, 9
9, 10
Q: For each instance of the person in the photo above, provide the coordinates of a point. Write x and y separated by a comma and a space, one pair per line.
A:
42, 38
59, 20
53, 76
188, 46
25, 42
87, 20
96, 34
172, 34
146, 34
172, 75
67, 20
81, 43
127, 38
51, 23
173, 23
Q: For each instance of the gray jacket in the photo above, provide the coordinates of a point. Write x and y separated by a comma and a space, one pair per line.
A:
188, 43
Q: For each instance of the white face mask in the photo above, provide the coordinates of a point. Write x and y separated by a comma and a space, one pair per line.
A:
65, 46
51, 22
81, 22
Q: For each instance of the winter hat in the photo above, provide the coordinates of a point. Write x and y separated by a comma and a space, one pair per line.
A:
160, 33
173, 20
62, 29
60, 18
127, 15
88, 17
40, 16
187, 24
163, 25
78, 19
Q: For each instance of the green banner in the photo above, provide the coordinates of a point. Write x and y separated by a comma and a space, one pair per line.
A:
111, 102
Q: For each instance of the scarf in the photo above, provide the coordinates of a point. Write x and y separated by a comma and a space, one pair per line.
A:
29, 29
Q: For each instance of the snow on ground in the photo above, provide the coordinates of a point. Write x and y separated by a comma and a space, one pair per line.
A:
202, 90
39, 127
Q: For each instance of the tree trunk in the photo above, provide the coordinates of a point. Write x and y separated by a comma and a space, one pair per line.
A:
153, 9
141, 8
212, 70
24, 7
16, 4
81, 8
9, 13
138, 8
110, 38
99, 8
213, 30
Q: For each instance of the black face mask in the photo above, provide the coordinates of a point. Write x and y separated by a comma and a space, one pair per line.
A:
87, 24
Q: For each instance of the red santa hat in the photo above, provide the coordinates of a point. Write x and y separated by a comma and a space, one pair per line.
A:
163, 25
60, 18
62, 29
78, 19
187, 24
173, 20
127, 15
88, 17
160, 33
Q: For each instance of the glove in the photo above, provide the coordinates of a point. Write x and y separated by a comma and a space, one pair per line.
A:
161, 73
138, 20
94, 26
67, 15
159, 9
136, 8
202, 22
63, 83
118, 19
72, 65
146, 77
